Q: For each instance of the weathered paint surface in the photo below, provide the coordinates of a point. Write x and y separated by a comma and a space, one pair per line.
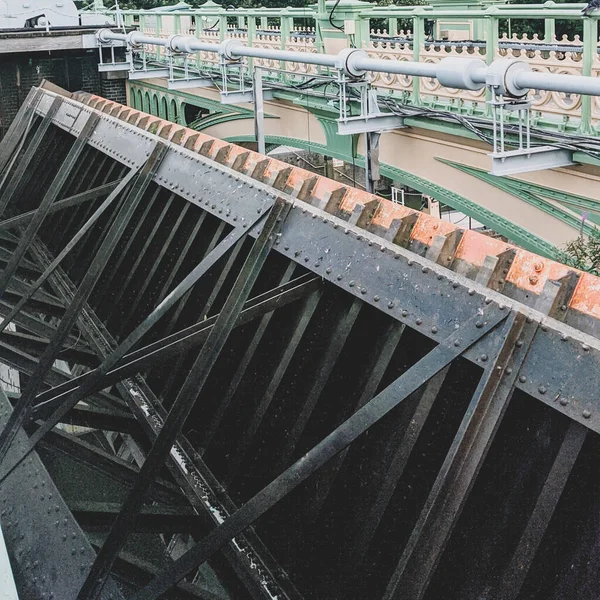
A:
529, 272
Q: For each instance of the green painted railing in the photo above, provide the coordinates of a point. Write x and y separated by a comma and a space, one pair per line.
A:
422, 33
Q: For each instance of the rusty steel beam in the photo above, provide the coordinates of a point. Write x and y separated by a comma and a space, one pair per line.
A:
322, 415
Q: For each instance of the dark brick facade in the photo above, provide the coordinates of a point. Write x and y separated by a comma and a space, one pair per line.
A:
72, 70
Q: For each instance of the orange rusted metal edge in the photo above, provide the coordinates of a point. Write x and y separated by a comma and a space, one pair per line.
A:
528, 271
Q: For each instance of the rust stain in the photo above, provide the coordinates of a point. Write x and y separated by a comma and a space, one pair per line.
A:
324, 187
354, 196
586, 298
528, 271
388, 211
475, 247
427, 227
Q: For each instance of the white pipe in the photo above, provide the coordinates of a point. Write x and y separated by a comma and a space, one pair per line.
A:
399, 67
462, 73
573, 84
308, 58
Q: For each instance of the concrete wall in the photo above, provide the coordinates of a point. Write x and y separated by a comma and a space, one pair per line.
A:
72, 70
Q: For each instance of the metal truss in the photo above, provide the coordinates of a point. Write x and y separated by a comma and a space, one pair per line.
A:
270, 394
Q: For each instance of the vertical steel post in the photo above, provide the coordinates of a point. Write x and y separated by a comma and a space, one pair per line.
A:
549, 30
491, 45
259, 111
418, 41
590, 49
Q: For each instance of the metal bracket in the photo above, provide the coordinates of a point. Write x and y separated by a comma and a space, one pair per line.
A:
532, 159
525, 158
120, 66
241, 97
113, 65
371, 119
148, 74
192, 82
243, 94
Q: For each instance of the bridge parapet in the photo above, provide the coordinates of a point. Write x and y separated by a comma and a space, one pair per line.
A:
422, 33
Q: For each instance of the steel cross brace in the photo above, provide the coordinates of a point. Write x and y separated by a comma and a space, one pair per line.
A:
178, 343
122, 185
74, 200
462, 463
98, 376
184, 402
19, 127
25, 160
441, 356
54, 190
92, 275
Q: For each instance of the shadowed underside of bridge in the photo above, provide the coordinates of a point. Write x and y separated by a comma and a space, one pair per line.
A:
277, 386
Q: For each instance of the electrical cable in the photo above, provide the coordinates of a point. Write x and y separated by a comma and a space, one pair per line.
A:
337, 2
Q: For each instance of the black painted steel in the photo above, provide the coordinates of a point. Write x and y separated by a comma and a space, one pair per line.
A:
176, 344
183, 403
98, 378
23, 407
122, 185
350, 430
19, 127
476, 484
51, 195
81, 198
23, 163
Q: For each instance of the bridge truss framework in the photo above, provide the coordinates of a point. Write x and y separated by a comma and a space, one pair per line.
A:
271, 394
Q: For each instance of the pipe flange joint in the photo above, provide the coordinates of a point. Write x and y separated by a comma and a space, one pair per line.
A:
101, 36
179, 43
459, 73
500, 76
346, 61
227, 49
131, 40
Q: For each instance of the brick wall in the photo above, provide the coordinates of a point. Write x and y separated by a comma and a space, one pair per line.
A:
73, 71
113, 86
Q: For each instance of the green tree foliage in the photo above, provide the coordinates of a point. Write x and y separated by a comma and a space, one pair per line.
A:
570, 27
584, 253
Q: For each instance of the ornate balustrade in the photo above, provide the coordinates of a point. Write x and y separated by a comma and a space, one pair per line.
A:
410, 33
